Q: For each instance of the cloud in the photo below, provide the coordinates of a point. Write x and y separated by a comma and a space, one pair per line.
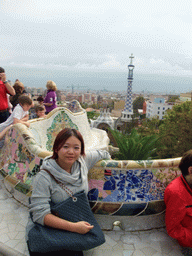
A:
153, 66
112, 63
84, 66
164, 67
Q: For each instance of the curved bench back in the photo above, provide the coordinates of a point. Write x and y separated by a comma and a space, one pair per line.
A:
115, 187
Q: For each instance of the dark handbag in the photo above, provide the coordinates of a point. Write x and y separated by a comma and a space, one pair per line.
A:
76, 208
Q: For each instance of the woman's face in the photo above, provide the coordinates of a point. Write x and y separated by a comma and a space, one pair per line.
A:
69, 152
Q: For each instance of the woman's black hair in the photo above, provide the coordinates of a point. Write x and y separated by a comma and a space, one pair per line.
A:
64, 135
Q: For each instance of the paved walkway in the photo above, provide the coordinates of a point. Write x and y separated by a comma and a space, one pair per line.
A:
14, 217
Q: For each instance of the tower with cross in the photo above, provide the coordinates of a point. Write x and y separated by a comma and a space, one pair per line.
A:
127, 113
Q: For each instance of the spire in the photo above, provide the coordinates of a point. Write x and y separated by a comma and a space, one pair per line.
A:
127, 113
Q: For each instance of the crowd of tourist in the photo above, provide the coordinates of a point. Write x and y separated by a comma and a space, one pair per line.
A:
16, 105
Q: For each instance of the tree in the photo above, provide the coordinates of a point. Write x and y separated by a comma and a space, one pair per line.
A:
111, 105
138, 104
149, 126
84, 105
134, 147
173, 98
176, 131
92, 115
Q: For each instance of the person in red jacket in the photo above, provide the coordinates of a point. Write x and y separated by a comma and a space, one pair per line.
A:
178, 200
5, 88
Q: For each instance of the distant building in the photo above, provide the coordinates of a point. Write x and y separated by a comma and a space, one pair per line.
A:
70, 97
104, 121
118, 107
125, 121
94, 98
127, 113
157, 108
186, 96
89, 98
81, 98
61, 96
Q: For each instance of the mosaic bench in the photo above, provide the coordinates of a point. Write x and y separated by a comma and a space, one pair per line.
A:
116, 188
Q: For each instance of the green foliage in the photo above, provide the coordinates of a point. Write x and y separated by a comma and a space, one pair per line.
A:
84, 105
176, 131
138, 103
130, 125
149, 126
173, 98
134, 146
96, 106
92, 115
111, 105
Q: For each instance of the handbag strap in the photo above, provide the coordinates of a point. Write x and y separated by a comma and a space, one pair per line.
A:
67, 190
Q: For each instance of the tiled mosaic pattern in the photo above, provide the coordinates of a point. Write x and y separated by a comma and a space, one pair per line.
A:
44, 130
113, 191
17, 162
128, 103
74, 106
59, 122
128, 192
116, 187
127, 186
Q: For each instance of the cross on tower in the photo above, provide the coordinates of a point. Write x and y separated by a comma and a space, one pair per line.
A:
131, 57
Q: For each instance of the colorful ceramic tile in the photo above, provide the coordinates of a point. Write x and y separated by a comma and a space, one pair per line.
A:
112, 164
23, 188
60, 121
3, 173
117, 187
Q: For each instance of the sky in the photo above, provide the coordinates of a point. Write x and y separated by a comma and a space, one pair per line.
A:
98, 35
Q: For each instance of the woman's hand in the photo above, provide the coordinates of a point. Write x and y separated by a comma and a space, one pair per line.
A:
48, 104
82, 227
3, 77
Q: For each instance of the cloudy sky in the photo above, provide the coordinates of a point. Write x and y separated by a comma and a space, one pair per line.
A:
98, 34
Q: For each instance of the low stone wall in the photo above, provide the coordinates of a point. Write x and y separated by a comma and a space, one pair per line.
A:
120, 188
126, 192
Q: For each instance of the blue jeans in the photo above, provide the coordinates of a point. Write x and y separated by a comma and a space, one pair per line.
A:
4, 116
56, 253
186, 251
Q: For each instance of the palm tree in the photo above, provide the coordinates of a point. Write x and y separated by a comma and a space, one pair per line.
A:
134, 146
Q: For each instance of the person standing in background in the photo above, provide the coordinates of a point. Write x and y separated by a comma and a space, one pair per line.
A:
10, 106
5, 88
40, 100
50, 100
19, 115
19, 90
40, 111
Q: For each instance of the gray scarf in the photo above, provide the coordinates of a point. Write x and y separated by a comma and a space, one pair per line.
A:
74, 178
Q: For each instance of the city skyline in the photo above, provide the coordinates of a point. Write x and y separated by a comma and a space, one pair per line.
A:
111, 81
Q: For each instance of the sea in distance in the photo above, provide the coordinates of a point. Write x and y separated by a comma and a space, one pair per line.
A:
99, 80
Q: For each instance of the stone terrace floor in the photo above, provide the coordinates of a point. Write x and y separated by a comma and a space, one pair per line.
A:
14, 217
